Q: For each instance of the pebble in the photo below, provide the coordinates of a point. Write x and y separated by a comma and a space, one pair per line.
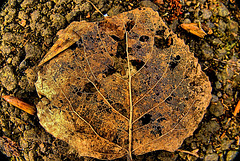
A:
22, 15
233, 26
218, 85
222, 25
149, 4
207, 51
217, 41
27, 3
222, 10
8, 78
5, 49
206, 14
225, 144
232, 155
187, 21
211, 157
216, 108
10, 16
35, 16
221, 53
58, 21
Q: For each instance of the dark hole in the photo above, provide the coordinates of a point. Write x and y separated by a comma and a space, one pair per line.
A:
79, 93
115, 38
89, 87
174, 62
115, 140
138, 47
137, 63
130, 25
121, 49
168, 100
144, 38
162, 43
61, 101
54, 107
161, 119
74, 46
110, 71
146, 119
192, 83
69, 66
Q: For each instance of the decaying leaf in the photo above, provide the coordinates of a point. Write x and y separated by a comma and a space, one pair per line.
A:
197, 29
20, 104
126, 85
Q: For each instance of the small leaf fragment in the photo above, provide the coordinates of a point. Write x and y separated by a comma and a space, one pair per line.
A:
195, 29
20, 104
237, 109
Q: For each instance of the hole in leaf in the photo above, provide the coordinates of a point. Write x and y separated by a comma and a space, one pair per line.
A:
115, 38
110, 71
130, 25
144, 38
174, 62
162, 43
146, 119
168, 100
137, 63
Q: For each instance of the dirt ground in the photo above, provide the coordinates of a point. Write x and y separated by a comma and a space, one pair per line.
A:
28, 30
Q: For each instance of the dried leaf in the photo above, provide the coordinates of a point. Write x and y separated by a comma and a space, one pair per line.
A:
237, 109
126, 85
195, 29
20, 104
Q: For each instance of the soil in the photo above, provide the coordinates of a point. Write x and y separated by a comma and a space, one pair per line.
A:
28, 30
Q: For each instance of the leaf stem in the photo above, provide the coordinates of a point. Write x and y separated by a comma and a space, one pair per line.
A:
130, 103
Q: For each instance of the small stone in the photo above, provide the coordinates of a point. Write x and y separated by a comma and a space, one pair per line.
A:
221, 53
8, 78
10, 16
22, 15
218, 85
211, 157
187, 21
206, 14
31, 51
232, 155
149, 4
222, 10
27, 3
35, 16
207, 51
58, 21
222, 25
216, 108
225, 144
233, 26
114, 10
228, 89
6, 50
217, 41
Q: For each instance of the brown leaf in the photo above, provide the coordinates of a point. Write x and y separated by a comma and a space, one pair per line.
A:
196, 29
20, 104
126, 85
